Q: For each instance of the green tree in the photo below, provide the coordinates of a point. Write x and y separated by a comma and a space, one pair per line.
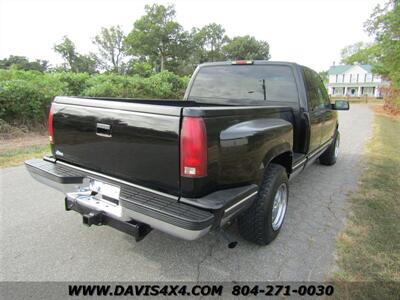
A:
86, 63
73, 60
363, 53
384, 25
246, 47
67, 51
324, 76
157, 37
22, 63
140, 67
209, 41
110, 44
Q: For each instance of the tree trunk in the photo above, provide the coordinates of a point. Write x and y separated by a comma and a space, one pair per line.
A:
162, 57
212, 51
162, 63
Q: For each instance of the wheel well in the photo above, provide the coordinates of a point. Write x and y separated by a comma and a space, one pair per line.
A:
285, 160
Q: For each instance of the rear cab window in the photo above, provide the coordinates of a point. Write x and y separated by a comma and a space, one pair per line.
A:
245, 84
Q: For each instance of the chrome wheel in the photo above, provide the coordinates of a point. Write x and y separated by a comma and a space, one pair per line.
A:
337, 142
279, 206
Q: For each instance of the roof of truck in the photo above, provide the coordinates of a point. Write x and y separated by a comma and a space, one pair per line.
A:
255, 62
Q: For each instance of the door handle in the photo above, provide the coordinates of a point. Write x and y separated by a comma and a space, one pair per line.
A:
103, 130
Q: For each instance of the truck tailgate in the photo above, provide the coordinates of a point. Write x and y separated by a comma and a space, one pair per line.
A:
120, 139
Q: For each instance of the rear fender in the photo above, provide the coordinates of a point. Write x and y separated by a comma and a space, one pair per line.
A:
272, 127
257, 142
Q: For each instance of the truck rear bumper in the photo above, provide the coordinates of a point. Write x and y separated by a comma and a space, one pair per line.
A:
138, 209
133, 209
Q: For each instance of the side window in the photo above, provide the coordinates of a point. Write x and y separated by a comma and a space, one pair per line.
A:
312, 89
322, 93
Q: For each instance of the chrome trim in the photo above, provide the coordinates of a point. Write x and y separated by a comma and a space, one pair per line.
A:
295, 173
103, 134
105, 127
298, 167
162, 226
239, 202
337, 143
118, 180
49, 159
84, 198
302, 162
321, 149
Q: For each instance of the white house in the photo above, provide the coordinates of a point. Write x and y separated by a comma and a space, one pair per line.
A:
354, 81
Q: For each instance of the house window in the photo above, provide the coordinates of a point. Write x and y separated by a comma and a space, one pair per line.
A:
336, 78
358, 75
343, 77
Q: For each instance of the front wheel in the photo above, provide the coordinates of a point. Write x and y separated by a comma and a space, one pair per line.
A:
262, 222
330, 155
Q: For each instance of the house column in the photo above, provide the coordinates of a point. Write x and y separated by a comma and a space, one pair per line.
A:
359, 91
376, 94
345, 91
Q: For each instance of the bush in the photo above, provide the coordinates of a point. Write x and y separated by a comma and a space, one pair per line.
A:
75, 82
166, 85
26, 95
113, 85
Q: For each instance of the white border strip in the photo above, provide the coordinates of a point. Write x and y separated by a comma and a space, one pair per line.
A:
240, 202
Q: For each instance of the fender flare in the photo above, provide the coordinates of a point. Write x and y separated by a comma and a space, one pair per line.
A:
277, 151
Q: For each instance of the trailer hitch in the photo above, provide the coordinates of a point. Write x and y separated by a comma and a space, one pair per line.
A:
93, 218
96, 217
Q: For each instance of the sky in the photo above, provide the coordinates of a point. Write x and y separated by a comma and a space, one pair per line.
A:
309, 32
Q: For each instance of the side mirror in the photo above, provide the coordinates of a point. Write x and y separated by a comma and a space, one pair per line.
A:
341, 105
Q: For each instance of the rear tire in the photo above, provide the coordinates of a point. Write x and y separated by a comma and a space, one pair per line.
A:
330, 155
262, 222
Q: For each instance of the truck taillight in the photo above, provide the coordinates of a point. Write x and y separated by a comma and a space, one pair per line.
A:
50, 125
193, 148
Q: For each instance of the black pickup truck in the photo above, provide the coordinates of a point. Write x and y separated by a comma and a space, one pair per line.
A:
187, 167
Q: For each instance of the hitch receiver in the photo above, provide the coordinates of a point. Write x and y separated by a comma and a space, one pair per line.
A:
93, 218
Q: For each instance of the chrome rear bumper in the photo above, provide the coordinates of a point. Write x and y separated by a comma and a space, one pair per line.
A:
174, 218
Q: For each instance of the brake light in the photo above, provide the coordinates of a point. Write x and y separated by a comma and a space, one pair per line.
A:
193, 148
50, 125
242, 62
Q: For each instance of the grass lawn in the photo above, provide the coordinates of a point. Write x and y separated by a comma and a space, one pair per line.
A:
17, 156
369, 248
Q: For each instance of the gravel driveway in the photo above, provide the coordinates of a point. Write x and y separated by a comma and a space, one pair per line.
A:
40, 241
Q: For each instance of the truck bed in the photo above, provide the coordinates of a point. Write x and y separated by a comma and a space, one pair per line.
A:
138, 140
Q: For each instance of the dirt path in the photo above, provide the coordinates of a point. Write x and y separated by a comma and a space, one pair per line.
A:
28, 140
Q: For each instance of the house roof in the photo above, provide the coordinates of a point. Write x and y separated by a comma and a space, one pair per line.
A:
333, 70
